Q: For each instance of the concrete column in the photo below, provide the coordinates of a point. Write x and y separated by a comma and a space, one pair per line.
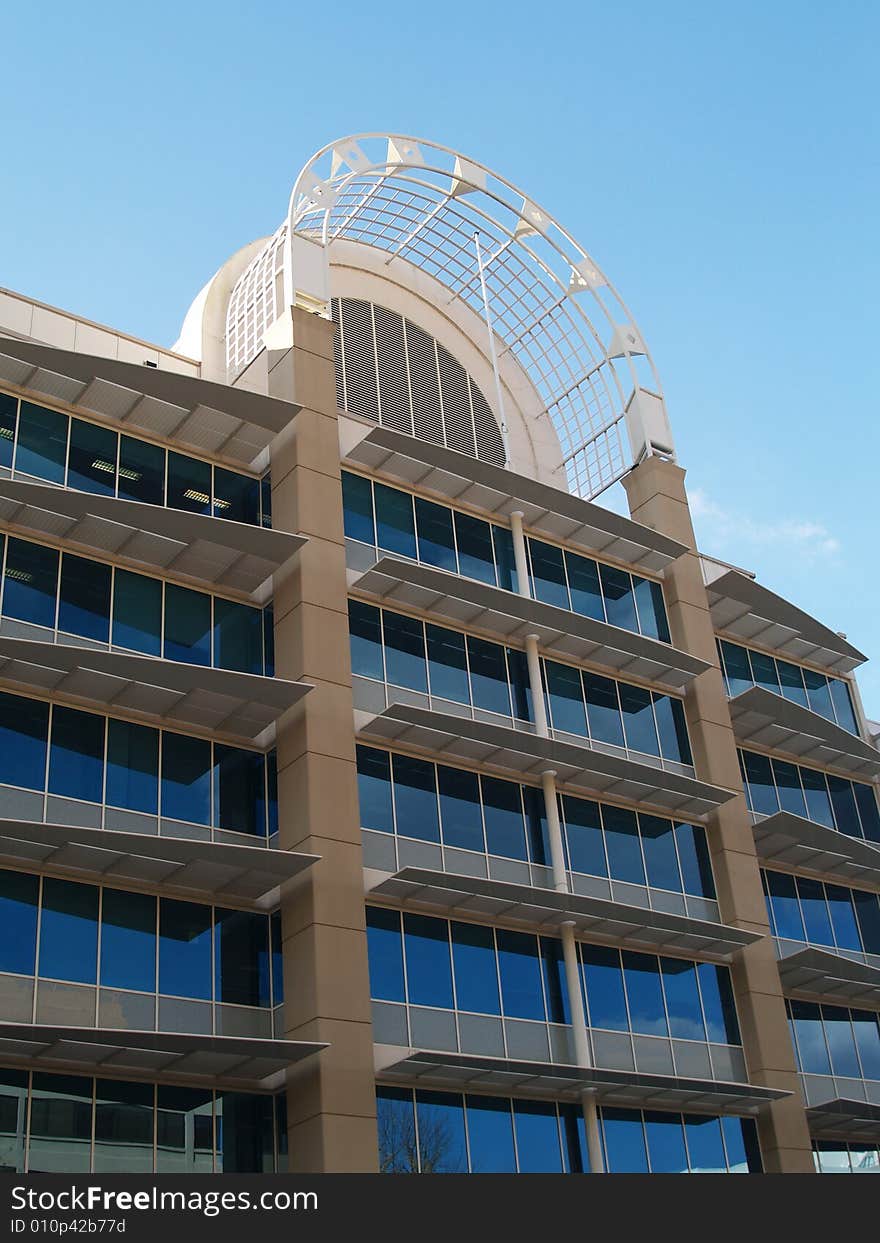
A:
657, 498
331, 1098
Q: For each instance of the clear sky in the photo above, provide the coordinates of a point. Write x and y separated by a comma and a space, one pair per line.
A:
719, 160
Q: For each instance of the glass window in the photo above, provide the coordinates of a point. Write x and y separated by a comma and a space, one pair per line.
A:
788, 783
24, 730
520, 690
91, 465
603, 709
548, 574
843, 917
520, 970
415, 798
374, 789
807, 1025
236, 497
123, 1127
841, 1042
365, 634
266, 501
460, 812
816, 796
638, 719
719, 1007
869, 814
396, 1128
442, 1147
565, 692
489, 684
693, 855
84, 608
69, 931
276, 939
622, 843
491, 1135
791, 682
536, 825
128, 940
815, 909
505, 558
764, 671
741, 1141
76, 755
357, 502
141, 471
13, 1109
844, 804
603, 984
132, 767
818, 694
245, 1134
583, 834
187, 625
189, 484
269, 641
184, 1130
759, 783
682, 999
658, 845
620, 605
137, 612
666, 1148
705, 1144
8, 416
672, 728
843, 708
476, 558
447, 664
385, 950
30, 583
428, 965
476, 971
436, 539
585, 589
784, 906
238, 636
868, 914
405, 651
184, 949
555, 988
395, 527
239, 790
241, 958
186, 778
537, 1137
624, 1142
736, 667
502, 808
867, 1034
651, 608
61, 1124
42, 443
19, 894
272, 792
641, 973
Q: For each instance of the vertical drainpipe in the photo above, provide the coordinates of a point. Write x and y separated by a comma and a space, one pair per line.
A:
582, 1052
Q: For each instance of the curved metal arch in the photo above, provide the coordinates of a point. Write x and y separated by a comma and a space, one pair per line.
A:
551, 306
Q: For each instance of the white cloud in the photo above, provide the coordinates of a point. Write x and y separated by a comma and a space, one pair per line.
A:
720, 528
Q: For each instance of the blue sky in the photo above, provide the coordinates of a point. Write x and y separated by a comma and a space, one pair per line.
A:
720, 161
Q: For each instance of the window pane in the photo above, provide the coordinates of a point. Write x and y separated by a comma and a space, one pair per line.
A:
141, 471
491, 1135
245, 1133
520, 971
123, 1127
868, 915
428, 966
816, 795
132, 766
658, 844
184, 949
385, 950
42, 442
357, 502
869, 813
583, 833
502, 808
365, 633
788, 784
236, 497
693, 855
537, 1137
69, 931
622, 844
841, 1042
24, 729
815, 909
665, 1143
791, 682
189, 484
91, 465
867, 1033
76, 755
476, 972
396, 1127
241, 958
555, 986
442, 1148
405, 651
447, 664
652, 610
565, 692
269, 641
624, 1141
682, 999
61, 1124
13, 1109
705, 1145
818, 694
536, 825
187, 625
620, 607
184, 1130
395, 528
137, 612
672, 728
642, 975
741, 1140
489, 685
843, 708
586, 591
505, 558
186, 778
374, 789
128, 940
844, 804
85, 598
460, 813
520, 690
436, 540
737, 669
239, 790
548, 573
266, 501
843, 917
638, 719
718, 1004
760, 783
475, 554
238, 636
784, 906
30, 583
19, 893
603, 709
415, 798
8, 417
603, 983
764, 671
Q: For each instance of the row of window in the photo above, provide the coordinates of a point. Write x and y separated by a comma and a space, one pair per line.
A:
457, 966
78, 596
83, 755
72, 1124
46, 444
830, 697
426, 1132
775, 785
432, 802
91, 934
419, 656
397, 522
832, 1040
833, 1156
801, 909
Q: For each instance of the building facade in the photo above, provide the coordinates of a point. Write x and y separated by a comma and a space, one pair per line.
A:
373, 797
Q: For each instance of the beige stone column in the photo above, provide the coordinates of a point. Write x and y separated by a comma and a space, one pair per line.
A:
331, 1098
657, 498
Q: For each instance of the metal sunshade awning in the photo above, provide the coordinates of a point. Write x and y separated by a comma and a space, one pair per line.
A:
822, 975
246, 1063
211, 418
221, 553
744, 609
240, 704
798, 843
525, 754
512, 617
247, 876
845, 1119
763, 718
612, 922
552, 1081
495, 490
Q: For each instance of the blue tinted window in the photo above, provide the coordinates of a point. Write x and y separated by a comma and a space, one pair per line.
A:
693, 855
624, 1142
405, 651
272, 792
460, 812
737, 669
24, 729
638, 719
520, 690
442, 1147
642, 975
583, 581
620, 605
718, 1004
385, 949
658, 845
867, 1034
447, 664
741, 1141
491, 1135
395, 528
396, 1128
476, 558
759, 783
76, 756
705, 1145
428, 967
137, 612
505, 558
818, 694
791, 682
184, 949
239, 790
536, 825
269, 641
141, 471
357, 500
868, 914
489, 685
869, 814
91, 465
415, 798
187, 625
275, 937
843, 802
652, 610
30, 583
816, 795
238, 636
815, 909
476, 972
603, 982
548, 574
841, 1042
672, 728
502, 808
622, 844
128, 940
84, 608
807, 1024
520, 971
843, 918
18, 917
566, 698
843, 708
8, 416
555, 986
784, 906
69, 931
241, 958
189, 484
236, 497
436, 540
266, 501
186, 778
682, 999
537, 1137
42, 442
583, 833
603, 709
788, 784
764, 671
365, 631
374, 789
666, 1148
132, 766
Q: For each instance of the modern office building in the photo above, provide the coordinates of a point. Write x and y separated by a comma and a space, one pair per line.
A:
373, 796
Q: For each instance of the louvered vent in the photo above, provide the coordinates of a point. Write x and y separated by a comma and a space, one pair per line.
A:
390, 370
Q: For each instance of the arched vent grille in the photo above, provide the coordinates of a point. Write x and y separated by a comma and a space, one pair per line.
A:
389, 370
